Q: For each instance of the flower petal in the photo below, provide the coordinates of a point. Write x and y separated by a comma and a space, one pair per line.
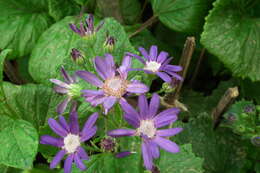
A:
62, 106
103, 69
153, 53
97, 100
128, 109
79, 162
132, 120
66, 76
109, 102
121, 132
57, 128
143, 106
109, 60
123, 154
60, 83
137, 88
126, 65
164, 120
89, 123
64, 123
144, 53
68, 163
154, 149
74, 125
60, 90
49, 140
166, 144
175, 75
89, 134
56, 160
164, 76
147, 156
82, 154
173, 68
168, 132
137, 57
162, 57
90, 77
154, 105
90, 93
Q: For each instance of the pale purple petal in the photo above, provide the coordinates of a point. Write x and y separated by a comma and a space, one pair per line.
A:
167, 61
137, 57
166, 144
168, 132
137, 88
162, 57
56, 160
173, 68
66, 76
49, 140
153, 53
89, 134
103, 69
74, 125
64, 123
89, 77
171, 111
147, 156
109, 60
68, 163
90, 93
154, 149
154, 105
82, 154
90, 123
144, 53
62, 106
60, 83
123, 154
143, 106
164, 76
97, 100
61, 90
128, 109
175, 75
132, 120
57, 128
109, 102
121, 132
164, 120
79, 162
126, 64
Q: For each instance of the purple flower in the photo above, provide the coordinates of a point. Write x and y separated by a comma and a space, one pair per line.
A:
68, 87
158, 64
114, 85
147, 123
88, 30
70, 140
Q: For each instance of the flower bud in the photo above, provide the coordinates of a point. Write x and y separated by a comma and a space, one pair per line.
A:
249, 108
109, 43
108, 144
77, 56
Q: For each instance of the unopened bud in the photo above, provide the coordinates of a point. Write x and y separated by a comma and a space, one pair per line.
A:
109, 43
77, 56
108, 144
249, 108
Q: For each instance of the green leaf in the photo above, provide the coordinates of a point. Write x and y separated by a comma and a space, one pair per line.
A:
3, 55
33, 103
183, 162
21, 24
19, 143
231, 34
130, 11
181, 15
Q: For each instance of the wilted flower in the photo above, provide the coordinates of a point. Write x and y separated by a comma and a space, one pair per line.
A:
114, 85
77, 56
147, 123
68, 87
109, 43
158, 64
88, 30
70, 141
108, 144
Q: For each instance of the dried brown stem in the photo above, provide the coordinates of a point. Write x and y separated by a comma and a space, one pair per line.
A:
227, 99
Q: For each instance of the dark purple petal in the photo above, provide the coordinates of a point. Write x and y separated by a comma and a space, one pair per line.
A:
132, 120
89, 123
56, 160
154, 149
164, 76
64, 123
74, 28
147, 156
162, 57
168, 132
167, 61
165, 120
60, 83
109, 102
123, 154
137, 88
82, 29
61, 90
66, 76
82, 154
166, 144
121, 132
154, 105
137, 57
62, 106
175, 75
68, 163
89, 134
79, 162
74, 125
153, 53
57, 128
144, 53
143, 106
173, 68
49, 140
90, 22
129, 109
89, 77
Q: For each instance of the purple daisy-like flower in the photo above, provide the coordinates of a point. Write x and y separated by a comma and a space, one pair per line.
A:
68, 87
70, 141
114, 85
147, 123
87, 30
158, 64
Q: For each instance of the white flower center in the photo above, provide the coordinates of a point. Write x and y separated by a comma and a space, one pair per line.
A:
147, 128
71, 143
115, 86
152, 66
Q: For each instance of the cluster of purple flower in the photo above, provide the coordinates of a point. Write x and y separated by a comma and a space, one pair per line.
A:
113, 86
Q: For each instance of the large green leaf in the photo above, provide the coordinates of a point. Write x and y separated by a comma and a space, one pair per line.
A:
181, 15
233, 35
21, 24
33, 103
19, 143
3, 55
130, 10
183, 162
